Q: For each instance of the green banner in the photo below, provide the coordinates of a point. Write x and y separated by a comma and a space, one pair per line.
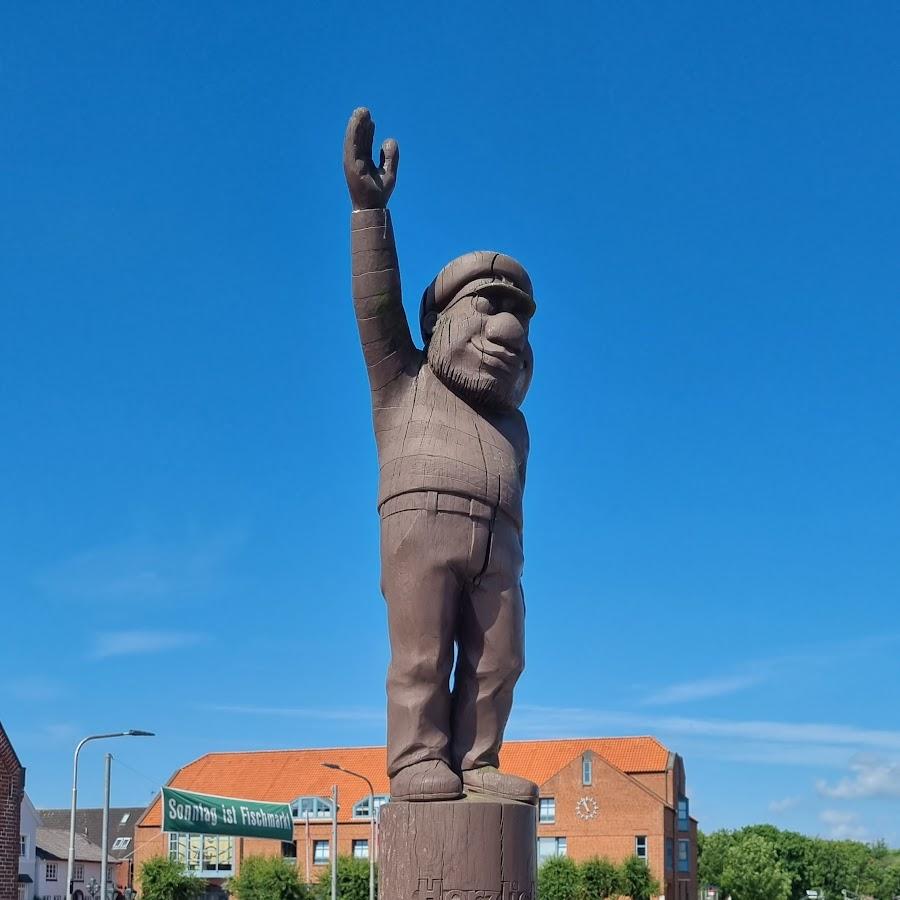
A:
206, 814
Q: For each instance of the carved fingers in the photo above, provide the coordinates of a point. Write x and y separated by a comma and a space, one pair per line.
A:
390, 159
369, 187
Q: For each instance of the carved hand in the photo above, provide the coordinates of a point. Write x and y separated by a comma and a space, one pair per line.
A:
369, 187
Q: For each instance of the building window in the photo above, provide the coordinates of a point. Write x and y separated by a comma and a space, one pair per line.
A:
50, 872
78, 872
289, 850
311, 807
640, 846
549, 847
684, 856
683, 814
203, 853
321, 853
361, 809
23, 845
121, 843
124, 818
547, 809
670, 851
587, 769
360, 849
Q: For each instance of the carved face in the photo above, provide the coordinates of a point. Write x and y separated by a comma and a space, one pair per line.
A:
479, 348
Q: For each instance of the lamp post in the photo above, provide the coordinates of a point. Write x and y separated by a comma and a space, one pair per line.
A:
371, 817
93, 737
104, 837
334, 826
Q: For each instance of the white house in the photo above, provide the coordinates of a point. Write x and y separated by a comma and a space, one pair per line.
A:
28, 827
52, 865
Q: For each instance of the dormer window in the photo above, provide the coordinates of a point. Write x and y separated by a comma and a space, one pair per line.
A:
311, 808
361, 809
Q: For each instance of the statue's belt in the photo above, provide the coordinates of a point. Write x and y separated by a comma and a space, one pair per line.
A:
437, 501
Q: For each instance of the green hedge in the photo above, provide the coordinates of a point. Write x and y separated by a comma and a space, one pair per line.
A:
561, 878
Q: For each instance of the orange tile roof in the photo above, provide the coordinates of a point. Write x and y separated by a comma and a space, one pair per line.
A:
283, 775
540, 760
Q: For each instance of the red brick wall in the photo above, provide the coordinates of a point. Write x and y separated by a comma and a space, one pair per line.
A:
148, 842
12, 784
624, 811
657, 782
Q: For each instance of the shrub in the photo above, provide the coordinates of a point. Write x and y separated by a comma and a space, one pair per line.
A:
352, 880
559, 879
636, 880
267, 878
600, 879
162, 878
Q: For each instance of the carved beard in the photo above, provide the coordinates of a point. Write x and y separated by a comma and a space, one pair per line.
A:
479, 388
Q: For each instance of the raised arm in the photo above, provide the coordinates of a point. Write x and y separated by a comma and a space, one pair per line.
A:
383, 329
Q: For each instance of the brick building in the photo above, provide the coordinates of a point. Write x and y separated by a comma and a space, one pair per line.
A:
611, 797
12, 787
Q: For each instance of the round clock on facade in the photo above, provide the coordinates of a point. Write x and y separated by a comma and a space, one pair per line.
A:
586, 808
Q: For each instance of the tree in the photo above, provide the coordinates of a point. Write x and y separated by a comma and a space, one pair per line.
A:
162, 878
794, 852
888, 882
559, 879
636, 881
752, 871
267, 878
711, 852
352, 880
600, 879
844, 865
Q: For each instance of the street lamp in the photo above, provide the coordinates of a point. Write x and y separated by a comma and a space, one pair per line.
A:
94, 737
371, 816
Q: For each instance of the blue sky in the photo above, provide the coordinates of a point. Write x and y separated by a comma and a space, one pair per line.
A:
706, 198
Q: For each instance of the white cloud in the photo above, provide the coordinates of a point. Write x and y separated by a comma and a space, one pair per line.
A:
32, 689
775, 753
777, 807
759, 671
142, 569
843, 825
872, 777
59, 731
49, 734
703, 688
535, 721
127, 643
304, 712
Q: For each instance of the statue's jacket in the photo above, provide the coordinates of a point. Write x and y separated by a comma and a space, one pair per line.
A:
428, 438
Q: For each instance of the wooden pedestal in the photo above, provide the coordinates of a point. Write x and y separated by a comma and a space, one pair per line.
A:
470, 849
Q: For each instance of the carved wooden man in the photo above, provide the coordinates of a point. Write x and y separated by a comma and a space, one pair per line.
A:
452, 447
